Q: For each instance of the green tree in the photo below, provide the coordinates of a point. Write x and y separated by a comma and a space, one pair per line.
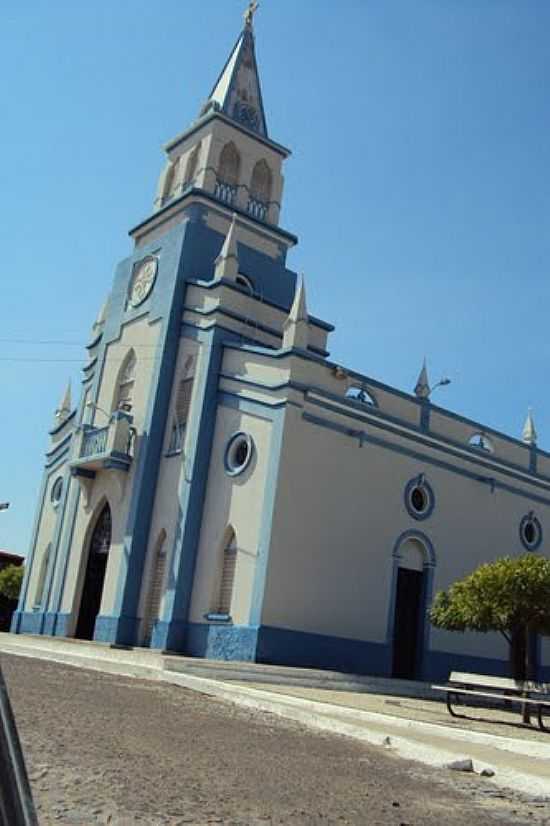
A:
511, 596
10, 581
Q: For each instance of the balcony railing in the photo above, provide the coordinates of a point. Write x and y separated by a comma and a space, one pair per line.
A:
257, 208
225, 192
104, 448
94, 442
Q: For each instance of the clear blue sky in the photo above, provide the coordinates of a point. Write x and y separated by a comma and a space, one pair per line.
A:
418, 187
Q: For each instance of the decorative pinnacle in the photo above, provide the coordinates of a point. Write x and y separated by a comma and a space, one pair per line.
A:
250, 12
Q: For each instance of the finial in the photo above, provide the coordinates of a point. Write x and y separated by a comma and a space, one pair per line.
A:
295, 328
64, 408
227, 262
249, 13
422, 389
529, 435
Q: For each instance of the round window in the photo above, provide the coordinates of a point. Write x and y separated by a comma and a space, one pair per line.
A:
530, 532
238, 453
57, 490
419, 498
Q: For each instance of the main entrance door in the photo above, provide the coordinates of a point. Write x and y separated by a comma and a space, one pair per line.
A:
92, 591
408, 601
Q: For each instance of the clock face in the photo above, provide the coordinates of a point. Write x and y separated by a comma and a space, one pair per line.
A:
143, 281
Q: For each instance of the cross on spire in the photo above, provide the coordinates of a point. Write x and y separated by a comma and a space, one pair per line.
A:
250, 12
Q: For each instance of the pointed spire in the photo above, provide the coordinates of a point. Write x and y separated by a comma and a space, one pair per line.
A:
64, 408
237, 92
529, 434
422, 389
296, 330
227, 262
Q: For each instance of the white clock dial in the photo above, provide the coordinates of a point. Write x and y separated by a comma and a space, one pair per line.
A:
143, 281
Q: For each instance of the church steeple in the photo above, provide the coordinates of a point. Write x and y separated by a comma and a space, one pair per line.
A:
237, 92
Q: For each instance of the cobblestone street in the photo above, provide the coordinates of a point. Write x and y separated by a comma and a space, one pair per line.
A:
104, 749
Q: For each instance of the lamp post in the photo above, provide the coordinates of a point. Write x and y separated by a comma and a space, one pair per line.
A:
16, 804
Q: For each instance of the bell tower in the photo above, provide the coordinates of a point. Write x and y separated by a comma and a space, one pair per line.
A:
227, 152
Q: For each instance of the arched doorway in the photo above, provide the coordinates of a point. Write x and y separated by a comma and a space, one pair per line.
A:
92, 591
413, 562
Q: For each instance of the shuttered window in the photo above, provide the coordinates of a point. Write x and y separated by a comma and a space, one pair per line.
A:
181, 414
154, 597
229, 564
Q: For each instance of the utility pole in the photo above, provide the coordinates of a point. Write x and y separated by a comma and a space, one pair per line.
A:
16, 803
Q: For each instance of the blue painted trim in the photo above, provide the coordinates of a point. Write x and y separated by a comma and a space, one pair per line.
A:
174, 631
424, 485
64, 443
266, 527
252, 406
94, 342
63, 424
232, 285
425, 415
57, 462
243, 319
200, 434
179, 204
494, 483
91, 364
169, 295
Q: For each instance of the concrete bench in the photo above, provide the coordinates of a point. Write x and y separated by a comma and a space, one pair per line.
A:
504, 689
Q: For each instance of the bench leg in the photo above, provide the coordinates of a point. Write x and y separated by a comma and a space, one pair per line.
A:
540, 714
450, 695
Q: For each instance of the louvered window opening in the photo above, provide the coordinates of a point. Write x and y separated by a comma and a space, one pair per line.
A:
181, 414
152, 612
228, 578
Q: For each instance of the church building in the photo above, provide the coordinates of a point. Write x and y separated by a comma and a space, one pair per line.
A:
222, 488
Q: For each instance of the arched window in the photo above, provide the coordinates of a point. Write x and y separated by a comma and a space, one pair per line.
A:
44, 565
228, 174
261, 183
181, 414
156, 587
230, 165
360, 394
192, 163
481, 442
228, 566
125, 383
169, 179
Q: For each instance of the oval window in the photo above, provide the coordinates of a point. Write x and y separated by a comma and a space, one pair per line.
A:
419, 498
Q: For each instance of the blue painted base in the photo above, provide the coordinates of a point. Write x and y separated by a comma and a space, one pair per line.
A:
50, 621
279, 646
15, 622
169, 636
30, 622
222, 642
63, 625
121, 630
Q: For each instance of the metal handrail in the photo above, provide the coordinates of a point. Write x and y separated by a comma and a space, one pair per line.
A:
16, 803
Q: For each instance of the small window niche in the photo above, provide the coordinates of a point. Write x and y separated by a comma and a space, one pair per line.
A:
361, 395
481, 442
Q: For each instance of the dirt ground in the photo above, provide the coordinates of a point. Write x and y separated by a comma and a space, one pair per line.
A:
104, 749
